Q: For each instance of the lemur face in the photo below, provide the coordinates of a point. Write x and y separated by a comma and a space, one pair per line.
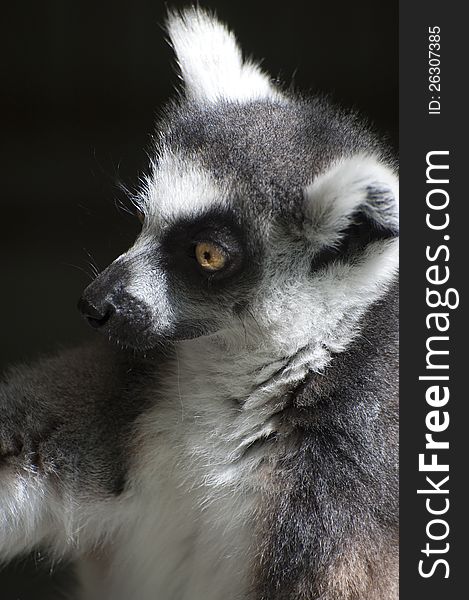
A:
262, 214
193, 268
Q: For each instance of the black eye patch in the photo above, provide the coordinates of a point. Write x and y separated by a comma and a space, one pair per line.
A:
217, 227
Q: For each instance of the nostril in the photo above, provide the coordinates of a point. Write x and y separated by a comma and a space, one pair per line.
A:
97, 323
95, 317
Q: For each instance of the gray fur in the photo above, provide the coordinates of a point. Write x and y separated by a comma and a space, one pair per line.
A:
74, 410
330, 529
239, 439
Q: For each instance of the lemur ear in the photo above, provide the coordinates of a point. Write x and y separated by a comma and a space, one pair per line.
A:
211, 62
359, 191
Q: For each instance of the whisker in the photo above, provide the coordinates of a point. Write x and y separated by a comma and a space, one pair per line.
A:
90, 275
120, 205
92, 263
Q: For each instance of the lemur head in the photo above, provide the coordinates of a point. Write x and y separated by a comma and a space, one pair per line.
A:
264, 213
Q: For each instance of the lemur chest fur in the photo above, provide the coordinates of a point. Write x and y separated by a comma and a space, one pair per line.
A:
197, 478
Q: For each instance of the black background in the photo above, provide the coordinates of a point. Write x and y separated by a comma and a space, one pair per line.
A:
82, 82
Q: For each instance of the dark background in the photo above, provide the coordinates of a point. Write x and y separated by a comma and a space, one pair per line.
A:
82, 82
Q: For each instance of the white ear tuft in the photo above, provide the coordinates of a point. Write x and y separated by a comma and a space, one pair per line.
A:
211, 61
358, 184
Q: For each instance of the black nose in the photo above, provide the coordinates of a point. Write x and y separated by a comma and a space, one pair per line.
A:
96, 316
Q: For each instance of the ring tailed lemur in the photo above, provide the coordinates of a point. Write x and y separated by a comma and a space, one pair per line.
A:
239, 440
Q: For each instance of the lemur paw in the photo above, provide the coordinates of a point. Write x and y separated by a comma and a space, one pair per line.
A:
23, 449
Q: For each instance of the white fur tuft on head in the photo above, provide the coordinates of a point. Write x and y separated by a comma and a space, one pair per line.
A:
211, 62
358, 183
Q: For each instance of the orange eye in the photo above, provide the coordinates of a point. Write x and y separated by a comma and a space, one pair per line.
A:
210, 256
140, 216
